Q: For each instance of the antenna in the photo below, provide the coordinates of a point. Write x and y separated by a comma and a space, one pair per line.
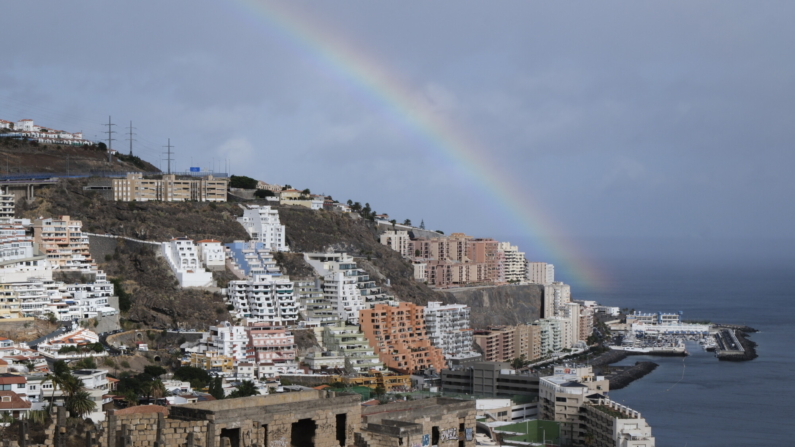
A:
169, 146
110, 132
130, 138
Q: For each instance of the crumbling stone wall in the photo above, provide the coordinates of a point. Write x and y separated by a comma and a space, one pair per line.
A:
419, 423
324, 419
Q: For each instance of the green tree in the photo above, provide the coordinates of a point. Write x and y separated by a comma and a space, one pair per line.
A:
80, 404
197, 377
380, 390
306, 191
85, 363
217, 388
154, 370
518, 362
125, 300
242, 182
407, 222
262, 193
245, 389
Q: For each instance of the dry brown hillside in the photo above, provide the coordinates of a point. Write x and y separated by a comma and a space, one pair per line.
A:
21, 156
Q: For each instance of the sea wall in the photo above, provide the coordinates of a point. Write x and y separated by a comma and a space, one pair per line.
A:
631, 374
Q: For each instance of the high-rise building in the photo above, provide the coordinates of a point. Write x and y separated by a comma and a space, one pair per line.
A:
262, 224
556, 296
575, 398
448, 328
226, 340
513, 269
540, 273
398, 334
264, 298
63, 242
497, 343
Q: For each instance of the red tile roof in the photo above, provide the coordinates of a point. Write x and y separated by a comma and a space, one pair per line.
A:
16, 402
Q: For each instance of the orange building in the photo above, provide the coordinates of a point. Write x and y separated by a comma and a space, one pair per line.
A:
398, 335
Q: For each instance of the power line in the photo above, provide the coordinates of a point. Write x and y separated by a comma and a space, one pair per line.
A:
130, 138
110, 140
169, 146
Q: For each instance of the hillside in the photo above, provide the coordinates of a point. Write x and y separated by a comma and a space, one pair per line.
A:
151, 221
22, 156
157, 301
317, 231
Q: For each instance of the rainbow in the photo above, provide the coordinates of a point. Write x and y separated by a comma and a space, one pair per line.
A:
376, 84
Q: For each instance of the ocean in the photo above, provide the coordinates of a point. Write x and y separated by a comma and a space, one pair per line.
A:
700, 401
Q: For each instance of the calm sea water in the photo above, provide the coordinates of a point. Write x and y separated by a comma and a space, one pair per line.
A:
700, 401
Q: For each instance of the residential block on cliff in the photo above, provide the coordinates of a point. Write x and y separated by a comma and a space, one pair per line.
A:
398, 334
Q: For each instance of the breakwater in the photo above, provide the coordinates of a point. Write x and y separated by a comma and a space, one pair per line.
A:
631, 374
748, 353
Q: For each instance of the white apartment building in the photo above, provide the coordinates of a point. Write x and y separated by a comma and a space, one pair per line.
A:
183, 258
63, 242
556, 296
448, 328
346, 288
211, 253
226, 340
93, 299
341, 292
555, 334
6, 206
513, 268
262, 224
252, 258
397, 240
540, 273
18, 258
264, 298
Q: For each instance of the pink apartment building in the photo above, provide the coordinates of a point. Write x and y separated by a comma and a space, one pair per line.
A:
271, 344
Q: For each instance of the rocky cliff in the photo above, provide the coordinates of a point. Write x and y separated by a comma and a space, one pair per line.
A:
509, 304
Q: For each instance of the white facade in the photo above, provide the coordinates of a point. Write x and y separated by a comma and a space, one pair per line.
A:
262, 224
183, 258
93, 298
540, 273
211, 253
513, 267
6, 206
264, 298
341, 292
448, 327
226, 340
555, 334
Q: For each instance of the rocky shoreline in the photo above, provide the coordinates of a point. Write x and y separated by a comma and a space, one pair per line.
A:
749, 348
631, 374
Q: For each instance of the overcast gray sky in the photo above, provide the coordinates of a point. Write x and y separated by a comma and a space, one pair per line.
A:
632, 128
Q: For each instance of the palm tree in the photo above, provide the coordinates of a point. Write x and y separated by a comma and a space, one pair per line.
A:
131, 397
245, 389
80, 404
157, 389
